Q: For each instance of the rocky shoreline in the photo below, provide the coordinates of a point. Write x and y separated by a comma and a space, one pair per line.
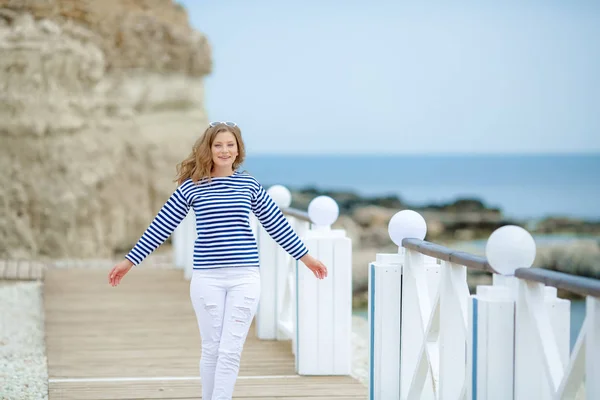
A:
460, 220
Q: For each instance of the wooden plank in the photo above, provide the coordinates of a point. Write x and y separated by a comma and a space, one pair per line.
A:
146, 328
301, 387
147, 323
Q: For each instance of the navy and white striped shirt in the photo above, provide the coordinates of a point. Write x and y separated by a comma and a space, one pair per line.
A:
222, 209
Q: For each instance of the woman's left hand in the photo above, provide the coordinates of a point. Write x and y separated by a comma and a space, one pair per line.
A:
316, 266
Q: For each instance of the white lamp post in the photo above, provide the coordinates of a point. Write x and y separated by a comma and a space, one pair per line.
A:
324, 330
406, 224
539, 315
323, 212
385, 309
280, 195
509, 248
510, 319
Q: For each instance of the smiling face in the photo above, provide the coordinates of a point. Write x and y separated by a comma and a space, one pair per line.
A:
224, 150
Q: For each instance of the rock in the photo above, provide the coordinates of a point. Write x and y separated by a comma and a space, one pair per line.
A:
460, 205
566, 225
375, 237
147, 35
578, 257
464, 234
360, 267
99, 102
347, 201
372, 215
361, 258
353, 231
435, 228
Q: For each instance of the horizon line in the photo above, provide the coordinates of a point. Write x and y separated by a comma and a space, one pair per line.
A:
446, 154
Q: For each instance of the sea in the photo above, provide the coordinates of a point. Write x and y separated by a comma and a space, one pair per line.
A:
522, 186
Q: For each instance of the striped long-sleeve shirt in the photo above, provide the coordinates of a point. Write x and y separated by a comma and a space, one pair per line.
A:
222, 208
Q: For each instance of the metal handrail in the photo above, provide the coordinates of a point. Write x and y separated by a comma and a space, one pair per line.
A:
294, 212
443, 253
573, 283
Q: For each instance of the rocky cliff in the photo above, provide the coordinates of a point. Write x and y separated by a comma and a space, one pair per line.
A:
98, 102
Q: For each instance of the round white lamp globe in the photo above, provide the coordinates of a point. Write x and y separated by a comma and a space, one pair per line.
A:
280, 195
407, 224
323, 211
508, 248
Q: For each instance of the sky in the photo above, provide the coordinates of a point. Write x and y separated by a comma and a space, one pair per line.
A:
390, 77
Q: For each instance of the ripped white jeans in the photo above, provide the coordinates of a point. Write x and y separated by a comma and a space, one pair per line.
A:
225, 301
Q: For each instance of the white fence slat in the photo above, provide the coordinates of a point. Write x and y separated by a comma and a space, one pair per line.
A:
540, 342
559, 312
281, 277
324, 313
342, 306
454, 295
282, 262
301, 228
529, 375
287, 307
417, 305
266, 315
490, 344
306, 330
592, 348
385, 286
575, 371
412, 326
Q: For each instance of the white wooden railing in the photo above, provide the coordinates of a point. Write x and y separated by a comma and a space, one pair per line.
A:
431, 339
314, 315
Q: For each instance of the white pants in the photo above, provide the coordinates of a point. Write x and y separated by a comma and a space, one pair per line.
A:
225, 301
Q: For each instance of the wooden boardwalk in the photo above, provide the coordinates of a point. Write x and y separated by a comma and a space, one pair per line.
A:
140, 340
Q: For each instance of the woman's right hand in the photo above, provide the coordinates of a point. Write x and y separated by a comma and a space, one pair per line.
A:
119, 271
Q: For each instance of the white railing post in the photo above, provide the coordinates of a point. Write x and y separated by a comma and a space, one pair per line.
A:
541, 340
404, 317
272, 267
390, 297
384, 316
592, 348
324, 307
490, 341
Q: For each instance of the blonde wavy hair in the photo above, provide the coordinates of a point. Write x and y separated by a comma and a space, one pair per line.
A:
198, 165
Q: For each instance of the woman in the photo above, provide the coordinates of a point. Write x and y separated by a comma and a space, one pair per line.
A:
225, 285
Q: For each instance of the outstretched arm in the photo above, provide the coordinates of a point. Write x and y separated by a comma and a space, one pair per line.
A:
168, 218
277, 226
